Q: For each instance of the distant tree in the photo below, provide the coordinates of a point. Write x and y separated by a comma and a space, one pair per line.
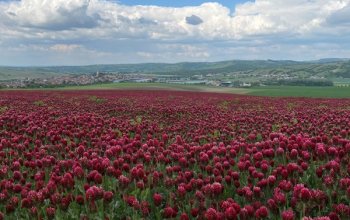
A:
300, 82
255, 83
236, 83
305, 82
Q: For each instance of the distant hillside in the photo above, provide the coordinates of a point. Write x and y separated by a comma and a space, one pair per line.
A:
9, 73
329, 68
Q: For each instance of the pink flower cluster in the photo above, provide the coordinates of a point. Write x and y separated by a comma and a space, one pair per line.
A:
172, 155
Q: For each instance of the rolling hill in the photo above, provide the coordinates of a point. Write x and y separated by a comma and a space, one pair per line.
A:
328, 68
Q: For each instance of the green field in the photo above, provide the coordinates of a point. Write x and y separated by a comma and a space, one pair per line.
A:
158, 86
273, 91
302, 91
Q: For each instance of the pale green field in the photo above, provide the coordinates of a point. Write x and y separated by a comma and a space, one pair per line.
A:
273, 91
157, 86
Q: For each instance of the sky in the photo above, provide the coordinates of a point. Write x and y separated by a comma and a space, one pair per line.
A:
83, 32
179, 3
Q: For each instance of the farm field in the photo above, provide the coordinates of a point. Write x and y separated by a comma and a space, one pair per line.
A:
302, 91
269, 91
158, 154
158, 86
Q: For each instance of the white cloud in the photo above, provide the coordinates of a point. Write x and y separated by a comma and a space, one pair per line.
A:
217, 22
52, 15
175, 51
70, 25
145, 54
184, 50
64, 48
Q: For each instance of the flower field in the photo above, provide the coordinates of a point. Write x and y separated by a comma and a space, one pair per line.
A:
172, 155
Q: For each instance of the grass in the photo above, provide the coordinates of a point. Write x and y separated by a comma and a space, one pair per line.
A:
157, 86
302, 91
273, 91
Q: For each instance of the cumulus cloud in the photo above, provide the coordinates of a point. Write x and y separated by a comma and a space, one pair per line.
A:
68, 24
116, 20
52, 15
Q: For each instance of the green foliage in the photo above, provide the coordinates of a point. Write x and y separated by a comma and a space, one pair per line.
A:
39, 103
96, 99
300, 82
136, 121
290, 106
328, 69
224, 104
216, 134
259, 137
3, 109
118, 133
275, 127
